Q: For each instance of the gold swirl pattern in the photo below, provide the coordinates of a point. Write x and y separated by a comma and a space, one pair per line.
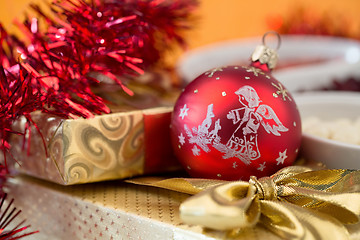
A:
133, 146
79, 171
95, 146
58, 144
109, 147
115, 126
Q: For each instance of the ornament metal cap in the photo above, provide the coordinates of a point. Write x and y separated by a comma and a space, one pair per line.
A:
266, 55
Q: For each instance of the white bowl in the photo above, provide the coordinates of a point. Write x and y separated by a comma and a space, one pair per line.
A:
329, 106
339, 58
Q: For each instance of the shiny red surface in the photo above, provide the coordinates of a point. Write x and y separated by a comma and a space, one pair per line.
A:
219, 90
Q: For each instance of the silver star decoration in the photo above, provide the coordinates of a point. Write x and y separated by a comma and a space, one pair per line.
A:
254, 70
196, 150
183, 112
281, 91
282, 157
262, 166
181, 139
212, 71
235, 165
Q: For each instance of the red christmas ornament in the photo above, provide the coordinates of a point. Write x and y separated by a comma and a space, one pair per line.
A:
234, 122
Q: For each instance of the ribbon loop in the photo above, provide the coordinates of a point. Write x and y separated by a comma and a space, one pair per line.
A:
265, 186
294, 203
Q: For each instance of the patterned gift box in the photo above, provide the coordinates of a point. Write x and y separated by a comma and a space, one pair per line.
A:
105, 147
132, 140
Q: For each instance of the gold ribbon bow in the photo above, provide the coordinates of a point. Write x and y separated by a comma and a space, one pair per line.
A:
294, 203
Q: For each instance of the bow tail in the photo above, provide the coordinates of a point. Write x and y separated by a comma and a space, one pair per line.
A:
342, 206
293, 222
228, 206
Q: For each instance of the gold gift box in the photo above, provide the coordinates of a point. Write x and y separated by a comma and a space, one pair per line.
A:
115, 210
108, 210
133, 140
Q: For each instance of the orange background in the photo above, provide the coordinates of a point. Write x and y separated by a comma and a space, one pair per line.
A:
227, 19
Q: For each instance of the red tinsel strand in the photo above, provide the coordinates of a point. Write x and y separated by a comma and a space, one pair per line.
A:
9, 217
3, 178
18, 97
8, 57
161, 23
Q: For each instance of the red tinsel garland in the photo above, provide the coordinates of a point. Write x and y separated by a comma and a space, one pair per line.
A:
82, 40
114, 38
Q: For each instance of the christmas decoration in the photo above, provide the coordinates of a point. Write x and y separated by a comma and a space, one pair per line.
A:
304, 200
83, 42
347, 84
305, 20
8, 55
18, 97
8, 216
111, 38
297, 202
236, 121
114, 209
125, 146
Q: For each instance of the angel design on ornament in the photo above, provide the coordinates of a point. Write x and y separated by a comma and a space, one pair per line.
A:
243, 143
